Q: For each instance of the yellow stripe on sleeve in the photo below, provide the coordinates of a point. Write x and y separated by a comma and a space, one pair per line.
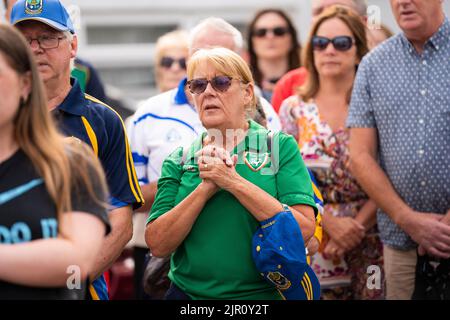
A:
129, 160
91, 135
316, 191
318, 233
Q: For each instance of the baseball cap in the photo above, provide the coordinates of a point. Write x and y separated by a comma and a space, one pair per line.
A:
279, 254
50, 12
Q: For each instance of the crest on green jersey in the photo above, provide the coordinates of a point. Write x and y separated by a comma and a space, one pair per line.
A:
255, 160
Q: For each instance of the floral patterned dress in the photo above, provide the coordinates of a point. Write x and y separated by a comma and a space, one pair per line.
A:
326, 153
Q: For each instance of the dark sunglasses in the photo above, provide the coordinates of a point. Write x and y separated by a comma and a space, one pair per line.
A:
277, 31
219, 83
341, 43
167, 62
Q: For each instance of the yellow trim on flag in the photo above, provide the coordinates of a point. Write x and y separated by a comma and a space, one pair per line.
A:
94, 294
305, 288
316, 191
318, 233
309, 285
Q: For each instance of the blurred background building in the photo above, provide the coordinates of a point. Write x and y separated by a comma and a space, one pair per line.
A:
118, 36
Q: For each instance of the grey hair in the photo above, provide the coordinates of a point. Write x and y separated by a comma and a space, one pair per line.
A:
69, 35
218, 24
360, 7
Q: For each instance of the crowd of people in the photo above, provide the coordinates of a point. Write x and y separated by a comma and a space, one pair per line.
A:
262, 169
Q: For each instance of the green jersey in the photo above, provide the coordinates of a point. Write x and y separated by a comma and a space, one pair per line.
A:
215, 260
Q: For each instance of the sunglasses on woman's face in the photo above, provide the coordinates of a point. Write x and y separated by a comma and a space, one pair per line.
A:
167, 62
341, 43
277, 31
219, 83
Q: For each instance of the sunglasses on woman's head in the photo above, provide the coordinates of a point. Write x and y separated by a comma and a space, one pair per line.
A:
341, 43
167, 62
219, 83
277, 31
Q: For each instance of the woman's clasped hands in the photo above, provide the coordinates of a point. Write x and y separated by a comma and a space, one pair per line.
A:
216, 166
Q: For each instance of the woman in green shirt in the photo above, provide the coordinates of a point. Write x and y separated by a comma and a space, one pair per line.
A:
212, 196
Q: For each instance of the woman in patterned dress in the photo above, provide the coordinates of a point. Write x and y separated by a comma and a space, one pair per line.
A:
316, 117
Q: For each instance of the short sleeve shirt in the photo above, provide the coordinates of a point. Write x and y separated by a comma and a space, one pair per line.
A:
28, 213
97, 124
102, 128
215, 260
406, 97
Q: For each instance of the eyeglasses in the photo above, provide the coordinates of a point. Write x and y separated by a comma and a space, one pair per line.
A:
219, 83
46, 42
167, 62
340, 43
277, 31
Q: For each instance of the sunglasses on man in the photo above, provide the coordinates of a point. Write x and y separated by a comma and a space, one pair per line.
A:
167, 62
340, 43
277, 31
219, 83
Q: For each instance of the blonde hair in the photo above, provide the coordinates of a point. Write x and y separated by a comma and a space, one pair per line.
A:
60, 163
173, 39
227, 63
177, 39
356, 26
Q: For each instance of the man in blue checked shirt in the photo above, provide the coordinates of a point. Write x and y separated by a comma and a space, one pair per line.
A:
47, 27
400, 116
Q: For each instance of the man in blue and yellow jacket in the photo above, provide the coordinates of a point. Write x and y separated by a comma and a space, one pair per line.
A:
48, 28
